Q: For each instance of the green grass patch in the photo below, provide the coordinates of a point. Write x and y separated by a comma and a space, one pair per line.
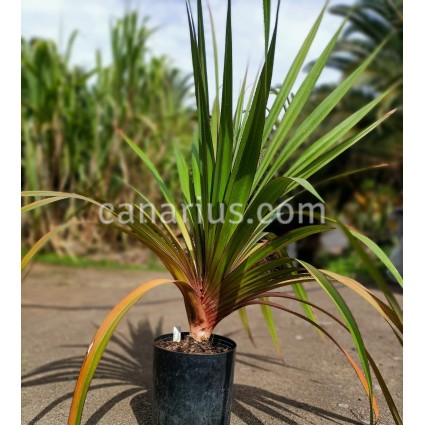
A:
152, 264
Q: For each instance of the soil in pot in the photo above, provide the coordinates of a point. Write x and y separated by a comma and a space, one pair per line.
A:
191, 346
193, 387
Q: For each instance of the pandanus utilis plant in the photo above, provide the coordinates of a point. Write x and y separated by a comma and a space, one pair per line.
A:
222, 266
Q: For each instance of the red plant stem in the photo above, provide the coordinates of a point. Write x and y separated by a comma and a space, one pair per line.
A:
200, 324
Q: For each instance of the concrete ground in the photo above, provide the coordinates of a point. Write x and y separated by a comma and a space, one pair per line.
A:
62, 306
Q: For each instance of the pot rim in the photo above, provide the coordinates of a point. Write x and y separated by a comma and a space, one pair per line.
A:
231, 349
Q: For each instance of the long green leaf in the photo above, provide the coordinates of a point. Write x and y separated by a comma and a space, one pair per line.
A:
244, 319
183, 174
163, 188
271, 326
379, 253
266, 13
225, 139
301, 294
248, 150
373, 270
348, 317
290, 78
381, 381
291, 114
308, 125
307, 170
307, 186
327, 141
363, 379
385, 311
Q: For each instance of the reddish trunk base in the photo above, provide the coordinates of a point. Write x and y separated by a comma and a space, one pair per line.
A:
200, 332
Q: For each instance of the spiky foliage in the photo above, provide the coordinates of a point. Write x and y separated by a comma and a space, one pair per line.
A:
221, 267
369, 25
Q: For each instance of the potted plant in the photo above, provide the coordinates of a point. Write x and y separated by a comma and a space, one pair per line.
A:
218, 251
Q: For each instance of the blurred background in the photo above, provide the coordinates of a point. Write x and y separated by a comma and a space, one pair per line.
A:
89, 67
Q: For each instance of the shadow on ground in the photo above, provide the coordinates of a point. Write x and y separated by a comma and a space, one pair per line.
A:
128, 362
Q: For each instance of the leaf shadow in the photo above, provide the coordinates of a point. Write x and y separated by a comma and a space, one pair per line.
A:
128, 362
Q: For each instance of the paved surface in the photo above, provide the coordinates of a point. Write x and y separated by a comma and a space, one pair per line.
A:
61, 308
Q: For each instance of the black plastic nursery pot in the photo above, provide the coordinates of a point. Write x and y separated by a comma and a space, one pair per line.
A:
193, 388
